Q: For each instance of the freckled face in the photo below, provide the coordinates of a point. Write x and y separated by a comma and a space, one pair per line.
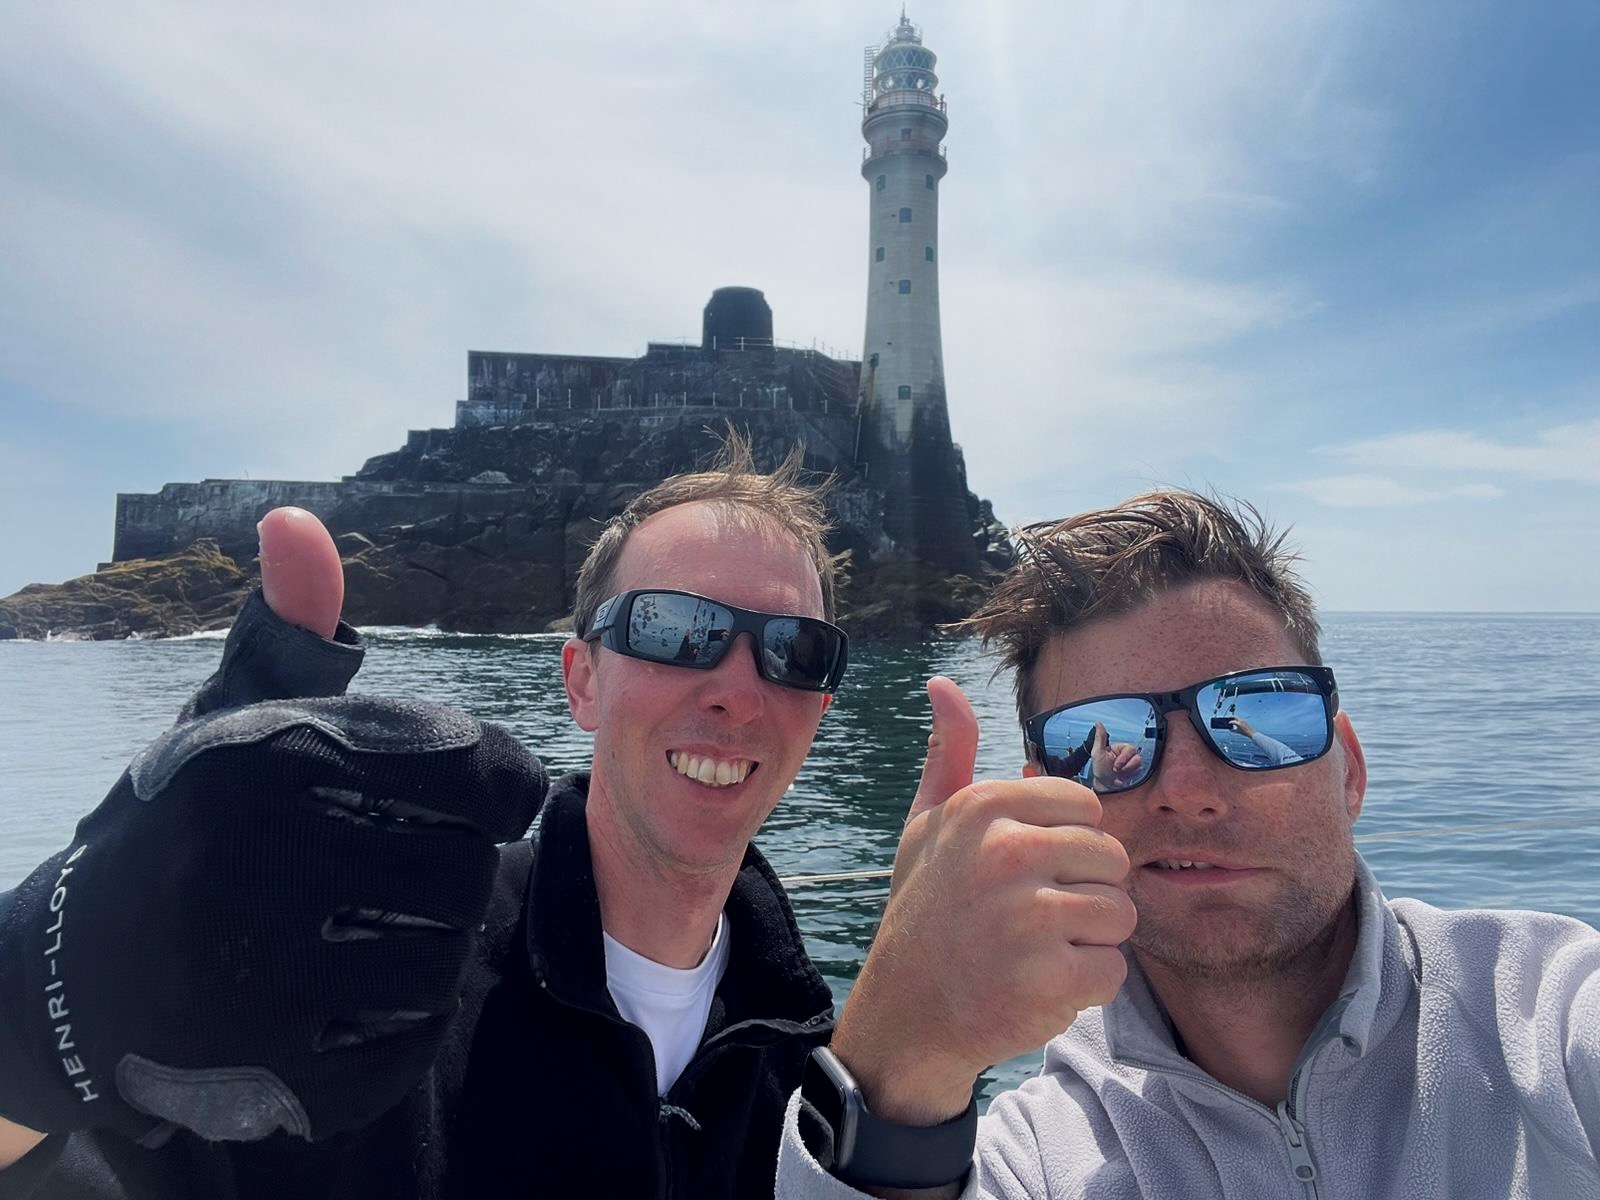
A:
1287, 832
649, 718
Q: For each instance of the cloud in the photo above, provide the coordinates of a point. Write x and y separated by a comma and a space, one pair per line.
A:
1102, 381
1378, 491
1569, 452
242, 227
1180, 243
1147, 133
1498, 310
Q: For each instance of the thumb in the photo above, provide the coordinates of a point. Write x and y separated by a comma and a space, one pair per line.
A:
301, 575
952, 746
1100, 738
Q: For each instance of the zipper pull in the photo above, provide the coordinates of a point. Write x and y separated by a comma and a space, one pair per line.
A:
1299, 1153
665, 1112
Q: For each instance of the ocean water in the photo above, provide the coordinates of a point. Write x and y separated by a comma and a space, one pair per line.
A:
1482, 735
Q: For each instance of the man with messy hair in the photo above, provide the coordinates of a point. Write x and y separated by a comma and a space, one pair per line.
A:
1272, 1025
284, 959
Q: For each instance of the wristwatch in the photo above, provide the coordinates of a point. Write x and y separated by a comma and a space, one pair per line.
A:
868, 1150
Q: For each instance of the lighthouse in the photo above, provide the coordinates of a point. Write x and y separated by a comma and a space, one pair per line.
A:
905, 422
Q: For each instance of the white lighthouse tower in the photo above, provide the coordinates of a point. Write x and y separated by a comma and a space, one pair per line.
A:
902, 361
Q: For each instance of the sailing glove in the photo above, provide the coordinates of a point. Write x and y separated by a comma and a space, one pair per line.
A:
263, 925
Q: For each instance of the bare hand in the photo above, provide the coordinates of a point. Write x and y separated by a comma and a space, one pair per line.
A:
1115, 763
1003, 923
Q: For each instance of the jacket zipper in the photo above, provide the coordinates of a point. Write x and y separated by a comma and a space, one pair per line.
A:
663, 1159
1294, 1137
1292, 1132
667, 1112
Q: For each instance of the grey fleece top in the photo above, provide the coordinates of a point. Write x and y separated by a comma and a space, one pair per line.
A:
1461, 1060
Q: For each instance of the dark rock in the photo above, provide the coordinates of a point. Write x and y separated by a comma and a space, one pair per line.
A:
904, 599
196, 589
483, 528
353, 543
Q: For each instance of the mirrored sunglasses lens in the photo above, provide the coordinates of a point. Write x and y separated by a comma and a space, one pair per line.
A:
1266, 719
798, 652
683, 630
1107, 745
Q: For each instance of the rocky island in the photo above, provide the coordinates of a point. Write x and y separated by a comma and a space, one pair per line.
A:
481, 526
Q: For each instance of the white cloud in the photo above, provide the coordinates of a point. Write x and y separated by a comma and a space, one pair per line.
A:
1429, 558
1060, 385
1569, 452
287, 230
260, 226
1378, 491
282, 229
1147, 131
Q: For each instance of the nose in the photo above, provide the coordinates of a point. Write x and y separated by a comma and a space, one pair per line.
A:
1189, 781
734, 687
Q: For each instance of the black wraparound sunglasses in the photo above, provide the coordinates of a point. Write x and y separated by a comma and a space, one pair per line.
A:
681, 629
1254, 720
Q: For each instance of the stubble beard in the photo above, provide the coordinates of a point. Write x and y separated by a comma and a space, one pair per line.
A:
1255, 946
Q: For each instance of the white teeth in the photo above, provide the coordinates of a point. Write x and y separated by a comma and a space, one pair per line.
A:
1182, 864
712, 772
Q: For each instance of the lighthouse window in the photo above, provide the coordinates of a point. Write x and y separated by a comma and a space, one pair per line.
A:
883, 182
905, 216
905, 135
905, 391
874, 361
927, 253
905, 287
928, 182
877, 255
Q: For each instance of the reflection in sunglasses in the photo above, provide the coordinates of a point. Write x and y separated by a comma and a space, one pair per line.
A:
1252, 720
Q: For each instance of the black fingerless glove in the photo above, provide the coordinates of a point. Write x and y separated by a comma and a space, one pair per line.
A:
263, 925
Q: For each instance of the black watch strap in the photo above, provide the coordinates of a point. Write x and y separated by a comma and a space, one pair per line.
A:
868, 1150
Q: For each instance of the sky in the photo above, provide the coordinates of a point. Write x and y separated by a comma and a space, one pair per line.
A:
1341, 259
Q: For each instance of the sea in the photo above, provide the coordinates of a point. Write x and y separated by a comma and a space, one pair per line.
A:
1482, 737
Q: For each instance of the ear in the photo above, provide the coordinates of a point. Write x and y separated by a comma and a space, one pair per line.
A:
1355, 765
578, 673
827, 703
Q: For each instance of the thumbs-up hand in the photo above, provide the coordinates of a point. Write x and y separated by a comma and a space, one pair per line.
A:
287, 642
1002, 924
301, 575
952, 755
325, 865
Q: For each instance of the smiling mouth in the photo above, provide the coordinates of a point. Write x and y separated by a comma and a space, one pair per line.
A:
712, 772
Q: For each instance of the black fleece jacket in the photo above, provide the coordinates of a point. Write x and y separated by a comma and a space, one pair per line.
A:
540, 1088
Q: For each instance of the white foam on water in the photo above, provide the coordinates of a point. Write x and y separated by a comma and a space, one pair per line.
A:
433, 631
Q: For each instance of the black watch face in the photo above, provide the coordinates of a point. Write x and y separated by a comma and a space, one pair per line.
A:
824, 1093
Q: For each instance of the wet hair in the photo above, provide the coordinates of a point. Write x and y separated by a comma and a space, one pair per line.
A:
1112, 560
783, 500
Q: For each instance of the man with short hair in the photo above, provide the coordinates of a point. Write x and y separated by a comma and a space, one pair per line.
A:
1283, 1029
636, 1004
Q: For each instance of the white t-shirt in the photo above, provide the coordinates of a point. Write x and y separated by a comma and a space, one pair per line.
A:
670, 1004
